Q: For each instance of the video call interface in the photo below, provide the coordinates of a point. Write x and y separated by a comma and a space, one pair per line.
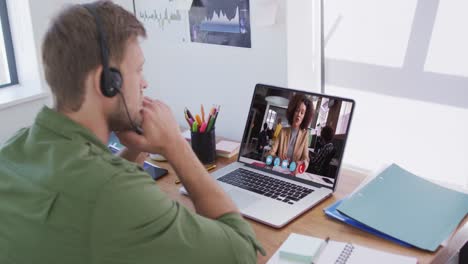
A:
296, 134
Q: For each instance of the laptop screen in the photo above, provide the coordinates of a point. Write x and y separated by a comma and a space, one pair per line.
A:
296, 134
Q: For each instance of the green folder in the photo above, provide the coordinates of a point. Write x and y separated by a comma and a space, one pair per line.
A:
407, 207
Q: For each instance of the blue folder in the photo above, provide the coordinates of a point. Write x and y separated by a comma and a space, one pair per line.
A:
333, 213
407, 207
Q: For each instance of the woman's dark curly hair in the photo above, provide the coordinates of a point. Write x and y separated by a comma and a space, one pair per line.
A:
294, 104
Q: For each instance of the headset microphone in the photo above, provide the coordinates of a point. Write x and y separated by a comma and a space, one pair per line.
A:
136, 128
111, 78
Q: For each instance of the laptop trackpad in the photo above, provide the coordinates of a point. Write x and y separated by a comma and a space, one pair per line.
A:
242, 199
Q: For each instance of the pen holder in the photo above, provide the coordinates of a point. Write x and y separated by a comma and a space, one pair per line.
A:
204, 146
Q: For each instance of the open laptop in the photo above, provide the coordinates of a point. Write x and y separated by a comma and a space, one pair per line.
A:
274, 191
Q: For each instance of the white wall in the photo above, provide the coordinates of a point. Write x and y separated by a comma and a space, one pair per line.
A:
404, 62
189, 74
19, 116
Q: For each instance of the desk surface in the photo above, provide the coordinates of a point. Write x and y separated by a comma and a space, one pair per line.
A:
314, 222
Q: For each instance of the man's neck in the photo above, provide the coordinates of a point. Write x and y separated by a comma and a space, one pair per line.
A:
95, 123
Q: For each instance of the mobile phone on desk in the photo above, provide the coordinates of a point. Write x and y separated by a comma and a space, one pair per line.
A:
154, 171
327, 180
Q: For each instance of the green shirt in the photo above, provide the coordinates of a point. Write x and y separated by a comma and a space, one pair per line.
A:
64, 198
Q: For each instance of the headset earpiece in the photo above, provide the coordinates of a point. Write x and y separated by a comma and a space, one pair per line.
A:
116, 79
111, 84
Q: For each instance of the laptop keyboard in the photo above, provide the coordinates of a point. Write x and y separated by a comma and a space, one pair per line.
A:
267, 186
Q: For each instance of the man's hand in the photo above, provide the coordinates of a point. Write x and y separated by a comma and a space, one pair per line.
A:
160, 129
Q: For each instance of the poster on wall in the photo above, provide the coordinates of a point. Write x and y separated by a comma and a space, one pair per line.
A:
221, 22
166, 20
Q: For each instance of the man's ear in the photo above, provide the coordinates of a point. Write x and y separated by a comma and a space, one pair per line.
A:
95, 80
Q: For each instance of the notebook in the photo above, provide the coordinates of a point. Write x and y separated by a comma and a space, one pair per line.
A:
332, 252
227, 149
347, 253
407, 207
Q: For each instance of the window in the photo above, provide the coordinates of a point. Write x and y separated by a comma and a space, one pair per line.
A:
343, 120
8, 74
271, 118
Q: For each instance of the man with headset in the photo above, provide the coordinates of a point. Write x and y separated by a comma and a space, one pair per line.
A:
64, 198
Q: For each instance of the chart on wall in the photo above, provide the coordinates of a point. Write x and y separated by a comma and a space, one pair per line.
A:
220, 22
165, 20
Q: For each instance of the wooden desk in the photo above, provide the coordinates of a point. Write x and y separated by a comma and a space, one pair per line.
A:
315, 223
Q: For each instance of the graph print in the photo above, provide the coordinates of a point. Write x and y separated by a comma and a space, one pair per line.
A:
165, 19
221, 22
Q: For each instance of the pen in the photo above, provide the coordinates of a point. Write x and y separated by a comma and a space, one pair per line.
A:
320, 250
215, 117
211, 167
187, 119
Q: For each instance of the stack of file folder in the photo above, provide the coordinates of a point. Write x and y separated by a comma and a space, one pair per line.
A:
404, 208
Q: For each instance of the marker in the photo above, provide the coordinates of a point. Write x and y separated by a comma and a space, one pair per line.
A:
202, 113
203, 127
210, 124
195, 127
197, 117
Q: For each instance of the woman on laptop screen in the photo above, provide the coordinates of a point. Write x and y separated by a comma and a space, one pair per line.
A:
292, 142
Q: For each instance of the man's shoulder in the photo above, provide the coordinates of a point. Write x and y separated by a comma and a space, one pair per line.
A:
89, 168
63, 164
96, 161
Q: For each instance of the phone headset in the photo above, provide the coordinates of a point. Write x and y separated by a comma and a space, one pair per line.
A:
111, 78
